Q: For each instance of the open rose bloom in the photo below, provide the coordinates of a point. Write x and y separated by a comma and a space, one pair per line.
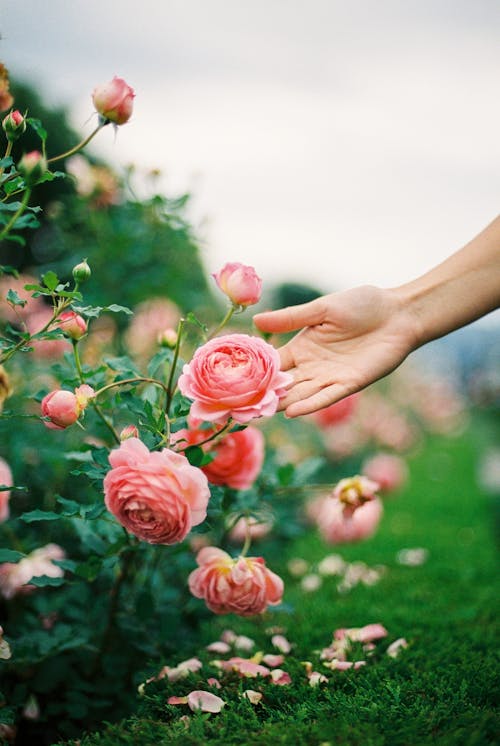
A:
157, 496
243, 586
337, 527
234, 376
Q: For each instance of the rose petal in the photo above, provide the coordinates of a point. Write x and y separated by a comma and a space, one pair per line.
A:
204, 701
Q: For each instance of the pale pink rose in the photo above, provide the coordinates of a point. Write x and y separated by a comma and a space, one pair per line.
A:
388, 470
62, 407
72, 324
45, 349
14, 578
157, 496
6, 479
338, 412
354, 492
243, 586
114, 100
238, 456
150, 320
250, 526
234, 376
240, 283
338, 528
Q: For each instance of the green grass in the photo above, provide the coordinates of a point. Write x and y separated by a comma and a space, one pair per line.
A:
442, 689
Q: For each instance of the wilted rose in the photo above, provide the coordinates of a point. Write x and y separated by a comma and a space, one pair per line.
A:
243, 586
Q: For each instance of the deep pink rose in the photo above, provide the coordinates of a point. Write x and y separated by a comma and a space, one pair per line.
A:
6, 479
240, 283
339, 412
15, 577
242, 586
158, 496
62, 407
338, 528
238, 457
234, 376
114, 100
389, 470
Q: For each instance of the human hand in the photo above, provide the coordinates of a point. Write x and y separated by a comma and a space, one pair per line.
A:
347, 341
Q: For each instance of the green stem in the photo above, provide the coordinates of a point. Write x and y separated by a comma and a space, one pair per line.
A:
216, 434
78, 363
170, 384
105, 420
223, 323
64, 304
138, 379
80, 145
22, 207
248, 540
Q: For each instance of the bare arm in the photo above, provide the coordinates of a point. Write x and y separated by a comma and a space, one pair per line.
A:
350, 339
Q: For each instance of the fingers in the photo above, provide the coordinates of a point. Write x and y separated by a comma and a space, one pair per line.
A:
317, 400
291, 318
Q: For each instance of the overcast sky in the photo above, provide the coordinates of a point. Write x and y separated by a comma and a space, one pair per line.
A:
333, 142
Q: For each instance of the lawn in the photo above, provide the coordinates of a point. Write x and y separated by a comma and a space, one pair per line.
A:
441, 689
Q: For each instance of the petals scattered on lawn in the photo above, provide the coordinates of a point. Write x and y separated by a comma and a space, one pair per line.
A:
219, 647
280, 677
243, 666
336, 665
316, 678
332, 564
253, 697
297, 567
228, 636
204, 701
368, 633
310, 583
243, 643
412, 557
273, 660
396, 647
280, 642
212, 681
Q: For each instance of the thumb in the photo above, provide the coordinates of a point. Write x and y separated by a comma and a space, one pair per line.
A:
291, 318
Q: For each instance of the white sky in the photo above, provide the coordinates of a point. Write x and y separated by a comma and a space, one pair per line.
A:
332, 142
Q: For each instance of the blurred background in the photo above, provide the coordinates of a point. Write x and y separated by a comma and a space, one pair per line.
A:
324, 142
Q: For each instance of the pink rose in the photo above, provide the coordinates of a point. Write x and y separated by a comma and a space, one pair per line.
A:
338, 412
238, 457
14, 578
114, 100
240, 283
6, 479
62, 407
45, 348
157, 496
243, 586
73, 325
387, 469
234, 376
337, 528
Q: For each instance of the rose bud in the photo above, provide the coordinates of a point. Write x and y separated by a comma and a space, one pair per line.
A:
84, 394
14, 125
73, 325
65, 407
130, 431
240, 283
168, 338
81, 272
114, 100
32, 166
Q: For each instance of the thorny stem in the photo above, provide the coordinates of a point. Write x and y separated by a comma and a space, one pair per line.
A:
80, 145
22, 207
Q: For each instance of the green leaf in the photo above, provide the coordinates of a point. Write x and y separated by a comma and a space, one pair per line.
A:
194, 320
39, 515
42, 581
6, 269
6, 162
114, 308
194, 455
38, 127
10, 555
50, 280
14, 299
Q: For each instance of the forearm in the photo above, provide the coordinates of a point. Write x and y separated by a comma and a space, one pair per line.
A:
459, 290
